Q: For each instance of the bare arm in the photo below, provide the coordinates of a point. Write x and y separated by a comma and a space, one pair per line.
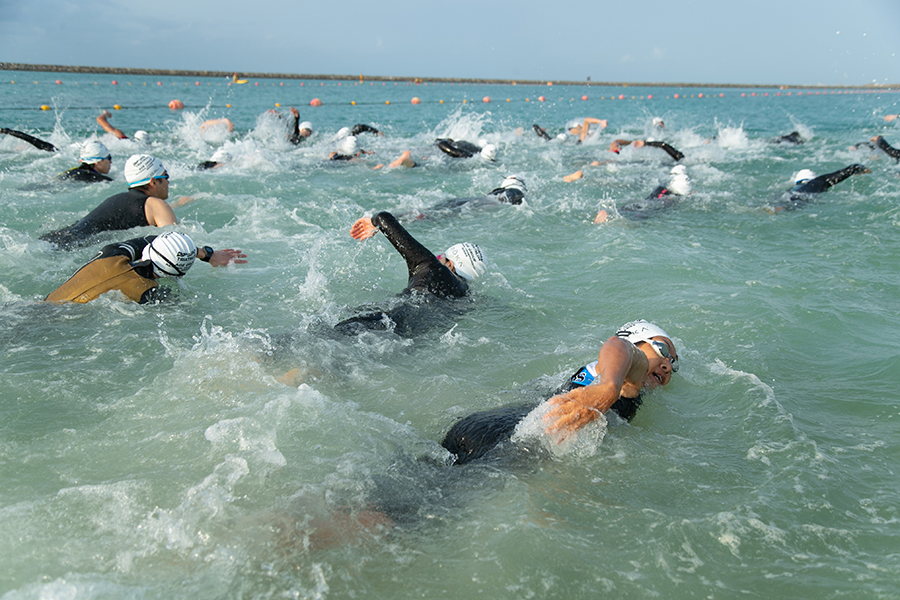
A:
103, 121
586, 127
220, 258
159, 213
621, 366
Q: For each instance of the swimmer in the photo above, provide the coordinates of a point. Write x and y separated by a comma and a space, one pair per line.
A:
463, 149
793, 137
223, 123
133, 267
662, 197
95, 164
658, 123
806, 184
584, 129
347, 149
144, 204
299, 131
218, 159
640, 356
889, 118
103, 121
511, 191
616, 146
445, 276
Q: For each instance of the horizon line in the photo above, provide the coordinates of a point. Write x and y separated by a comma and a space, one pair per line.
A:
7, 66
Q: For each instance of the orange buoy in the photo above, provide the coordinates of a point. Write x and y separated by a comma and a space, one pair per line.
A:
315, 102
486, 99
176, 104
415, 100
584, 97
541, 99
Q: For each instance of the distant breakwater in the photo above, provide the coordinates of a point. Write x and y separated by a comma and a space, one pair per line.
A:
5, 66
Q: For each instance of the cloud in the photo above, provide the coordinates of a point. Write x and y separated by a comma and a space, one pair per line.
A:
658, 53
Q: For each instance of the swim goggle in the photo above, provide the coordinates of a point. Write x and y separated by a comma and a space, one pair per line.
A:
163, 176
662, 350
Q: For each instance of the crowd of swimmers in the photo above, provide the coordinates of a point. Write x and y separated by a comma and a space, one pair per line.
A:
639, 357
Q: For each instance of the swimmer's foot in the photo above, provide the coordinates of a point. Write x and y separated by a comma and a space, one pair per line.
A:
404, 160
573, 177
293, 378
601, 217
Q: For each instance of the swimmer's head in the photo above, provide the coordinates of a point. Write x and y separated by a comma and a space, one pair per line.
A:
513, 182
171, 254
220, 156
141, 168
142, 136
680, 183
657, 122
489, 152
305, 126
348, 146
644, 331
803, 176
561, 137
468, 260
342, 133
93, 152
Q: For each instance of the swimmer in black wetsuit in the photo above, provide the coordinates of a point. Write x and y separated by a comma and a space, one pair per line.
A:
142, 205
299, 131
662, 197
37, 143
616, 146
443, 277
94, 156
463, 149
511, 191
640, 356
882, 144
806, 184
791, 138
132, 267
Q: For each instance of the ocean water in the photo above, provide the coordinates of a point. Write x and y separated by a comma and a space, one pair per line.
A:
158, 451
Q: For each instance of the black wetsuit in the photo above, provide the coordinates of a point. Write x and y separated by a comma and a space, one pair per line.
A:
295, 137
208, 164
894, 153
122, 211
84, 173
473, 436
675, 154
428, 280
39, 144
133, 277
363, 128
457, 149
499, 195
541, 132
659, 199
802, 193
791, 138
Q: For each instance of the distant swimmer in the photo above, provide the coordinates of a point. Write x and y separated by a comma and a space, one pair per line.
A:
103, 121
463, 149
806, 185
144, 204
299, 130
431, 279
662, 197
133, 267
616, 146
218, 159
793, 137
890, 118
511, 191
640, 356
96, 162
581, 128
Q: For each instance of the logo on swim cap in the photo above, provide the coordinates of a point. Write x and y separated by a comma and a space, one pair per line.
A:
171, 253
513, 182
640, 331
93, 152
468, 260
141, 168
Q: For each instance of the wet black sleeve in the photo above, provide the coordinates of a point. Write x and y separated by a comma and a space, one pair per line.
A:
888, 149
132, 248
541, 132
838, 176
39, 144
426, 273
363, 128
458, 149
295, 138
675, 154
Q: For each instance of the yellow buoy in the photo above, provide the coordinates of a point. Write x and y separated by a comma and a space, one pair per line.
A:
227, 106
387, 101
44, 107
277, 104
353, 102
117, 107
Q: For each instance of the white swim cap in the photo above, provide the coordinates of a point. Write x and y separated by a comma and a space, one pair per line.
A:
803, 175
658, 122
307, 125
561, 137
489, 152
342, 132
680, 183
640, 331
93, 152
468, 260
220, 156
171, 253
348, 146
141, 168
513, 182
142, 136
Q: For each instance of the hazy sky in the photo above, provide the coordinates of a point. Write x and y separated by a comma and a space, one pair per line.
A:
830, 42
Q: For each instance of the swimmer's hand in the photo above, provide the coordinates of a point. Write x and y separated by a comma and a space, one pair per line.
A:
575, 409
220, 258
363, 229
890, 118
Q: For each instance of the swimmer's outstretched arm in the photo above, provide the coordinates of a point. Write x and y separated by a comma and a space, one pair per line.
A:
621, 366
888, 149
221, 258
103, 121
39, 144
363, 229
675, 154
586, 126
838, 176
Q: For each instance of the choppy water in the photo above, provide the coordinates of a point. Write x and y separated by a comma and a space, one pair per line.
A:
151, 452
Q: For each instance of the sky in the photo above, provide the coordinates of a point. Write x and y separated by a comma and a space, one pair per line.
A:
760, 42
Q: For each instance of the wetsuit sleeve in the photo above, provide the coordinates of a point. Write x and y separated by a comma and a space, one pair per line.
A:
888, 149
363, 128
660, 192
675, 154
838, 176
132, 248
39, 144
295, 131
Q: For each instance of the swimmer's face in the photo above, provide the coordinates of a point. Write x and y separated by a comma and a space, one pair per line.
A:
446, 262
103, 166
575, 130
305, 133
660, 368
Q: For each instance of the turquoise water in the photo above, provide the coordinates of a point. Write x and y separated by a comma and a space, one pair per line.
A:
151, 451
